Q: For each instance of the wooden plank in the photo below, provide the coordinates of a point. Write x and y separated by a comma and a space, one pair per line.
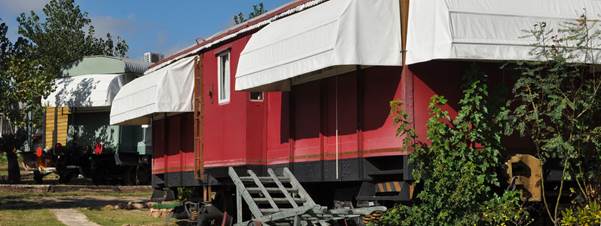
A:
239, 206
198, 121
265, 193
241, 190
282, 188
301, 191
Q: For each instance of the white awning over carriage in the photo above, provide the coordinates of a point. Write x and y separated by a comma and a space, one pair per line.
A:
166, 90
333, 33
484, 29
94, 90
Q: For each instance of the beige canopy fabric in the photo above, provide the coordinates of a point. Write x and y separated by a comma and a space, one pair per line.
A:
167, 90
484, 29
331, 34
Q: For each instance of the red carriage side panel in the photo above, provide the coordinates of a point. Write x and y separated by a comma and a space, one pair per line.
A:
232, 131
306, 120
187, 142
278, 128
255, 132
380, 86
340, 110
158, 147
173, 156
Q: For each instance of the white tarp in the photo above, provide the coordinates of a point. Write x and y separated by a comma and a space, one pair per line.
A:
484, 29
94, 90
333, 33
167, 90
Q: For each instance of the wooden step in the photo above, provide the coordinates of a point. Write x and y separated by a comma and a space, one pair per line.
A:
278, 200
264, 179
270, 211
256, 190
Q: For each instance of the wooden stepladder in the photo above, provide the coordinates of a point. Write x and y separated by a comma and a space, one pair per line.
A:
281, 200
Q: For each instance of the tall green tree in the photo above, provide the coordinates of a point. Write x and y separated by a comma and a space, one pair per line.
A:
66, 35
257, 10
47, 45
556, 103
6, 49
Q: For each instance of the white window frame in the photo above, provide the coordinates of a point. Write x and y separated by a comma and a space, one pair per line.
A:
223, 85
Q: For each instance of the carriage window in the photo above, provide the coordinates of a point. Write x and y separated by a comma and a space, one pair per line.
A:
256, 96
223, 77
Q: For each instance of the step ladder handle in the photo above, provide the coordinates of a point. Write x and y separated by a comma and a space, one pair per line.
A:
282, 188
301, 191
241, 190
263, 190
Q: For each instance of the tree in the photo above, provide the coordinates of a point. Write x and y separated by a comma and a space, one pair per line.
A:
257, 10
30, 65
457, 169
61, 40
556, 103
5, 90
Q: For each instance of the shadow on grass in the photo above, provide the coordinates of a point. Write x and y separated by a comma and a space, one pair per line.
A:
21, 202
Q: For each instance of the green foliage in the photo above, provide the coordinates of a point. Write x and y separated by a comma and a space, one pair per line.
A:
29, 66
589, 214
505, 210
257, 10
4, 44
46, 47
556, 103
65, 36
457, 170
184, 193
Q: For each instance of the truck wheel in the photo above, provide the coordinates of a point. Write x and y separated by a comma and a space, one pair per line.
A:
38, 178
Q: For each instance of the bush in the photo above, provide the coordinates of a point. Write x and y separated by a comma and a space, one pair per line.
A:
457, 170
586, 215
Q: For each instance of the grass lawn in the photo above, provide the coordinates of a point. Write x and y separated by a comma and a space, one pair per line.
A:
108, 217
40, 217
32, 208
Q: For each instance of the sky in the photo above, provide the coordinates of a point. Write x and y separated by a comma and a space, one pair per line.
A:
149, 25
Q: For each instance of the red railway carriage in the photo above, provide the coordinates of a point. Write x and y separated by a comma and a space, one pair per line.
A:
308, 85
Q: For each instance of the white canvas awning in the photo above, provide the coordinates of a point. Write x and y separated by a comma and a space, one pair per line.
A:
94, 90
167, 90
484, 29
333, 33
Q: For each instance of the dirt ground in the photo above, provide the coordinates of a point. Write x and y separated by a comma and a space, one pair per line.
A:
35, 208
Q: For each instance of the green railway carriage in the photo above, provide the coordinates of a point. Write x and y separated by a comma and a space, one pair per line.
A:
78, 139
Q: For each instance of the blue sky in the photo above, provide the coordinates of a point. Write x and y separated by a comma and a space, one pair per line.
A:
149, 25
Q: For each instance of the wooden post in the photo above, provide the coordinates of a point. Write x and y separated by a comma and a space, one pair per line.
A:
404, 5
198, 121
